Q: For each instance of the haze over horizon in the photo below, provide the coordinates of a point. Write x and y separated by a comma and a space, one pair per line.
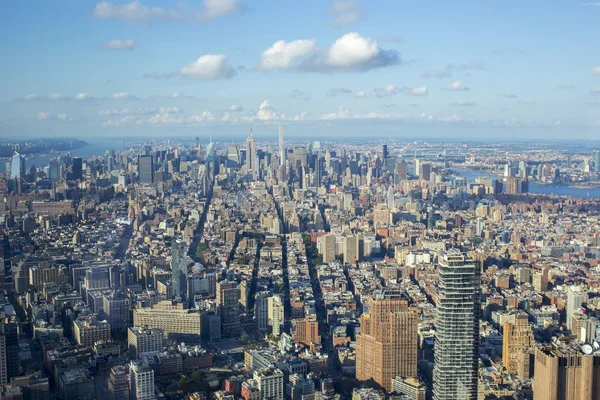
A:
468, 70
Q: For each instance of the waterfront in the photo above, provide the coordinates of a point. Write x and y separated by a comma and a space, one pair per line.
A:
537, 188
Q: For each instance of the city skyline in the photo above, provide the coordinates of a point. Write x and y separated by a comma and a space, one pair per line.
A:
341, 68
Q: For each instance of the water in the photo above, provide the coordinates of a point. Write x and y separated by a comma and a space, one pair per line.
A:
538, 188
95, 147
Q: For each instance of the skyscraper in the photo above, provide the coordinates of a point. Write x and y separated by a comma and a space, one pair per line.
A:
575, 297
455, 375
517, 338
329, 251
178, 268
596, 160
281, 147
252, 162
386, 346
276, 314
77, 168
228, 309
146, 169
564, 372
17, 166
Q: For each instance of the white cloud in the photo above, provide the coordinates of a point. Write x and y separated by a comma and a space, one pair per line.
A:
596, 70
117, 44
456, 86
351, 52
139, 13
341, 113
346, 12
134, 12
338, 90
54, 96
597, 90
436, 74
123, 96
220, 8
508, 95
300, 117
205, 116
360, 93
266, 112
28, 97
453, 118
45, 115
139, 111
594, 4
209, 67
236, 108
82, 97
386, 91
284, 54
417, 91
179, 95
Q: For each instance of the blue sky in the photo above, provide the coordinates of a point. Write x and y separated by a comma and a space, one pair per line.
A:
498, 69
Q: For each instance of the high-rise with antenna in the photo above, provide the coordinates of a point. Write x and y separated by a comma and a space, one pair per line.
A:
281, 147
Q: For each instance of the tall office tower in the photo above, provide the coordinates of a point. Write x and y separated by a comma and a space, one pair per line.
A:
276, 314
517, 338
3, 366
575, 298
228, 296
141, 381
596, 160
351, 250
17, 166
118, 382
329, 248
261, 310
178, 268
386, 346
77, 168
566, 372
282, 154
145, 169
318, 172
252, 162
384, 152
455, 375
425, 172
300, 156
400, 171
54, 171
142, 339
176, 321
233, 154
11, 347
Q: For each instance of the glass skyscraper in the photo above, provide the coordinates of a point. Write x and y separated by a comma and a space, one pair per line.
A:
455, 375
17, 166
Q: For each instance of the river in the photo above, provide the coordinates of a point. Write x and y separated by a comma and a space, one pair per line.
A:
538, 188
95, 147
